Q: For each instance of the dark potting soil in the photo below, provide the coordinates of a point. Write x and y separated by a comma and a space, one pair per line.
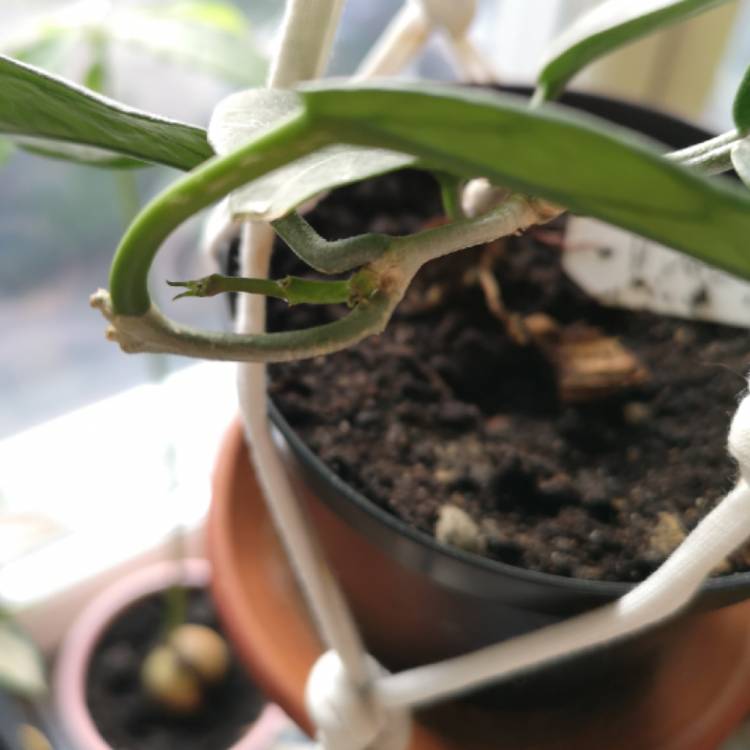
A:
445, 408
129, 720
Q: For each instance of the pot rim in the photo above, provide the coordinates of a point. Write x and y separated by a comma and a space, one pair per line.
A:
74, 656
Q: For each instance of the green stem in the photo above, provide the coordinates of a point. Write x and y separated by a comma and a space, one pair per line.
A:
374, 293
127, 189
541, 94
294, 290
206, 184
450, 194
152, 332
175, 608
712, 156
518, 212
327, 257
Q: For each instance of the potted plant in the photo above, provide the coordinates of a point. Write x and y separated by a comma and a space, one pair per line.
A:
291, 146
144, 664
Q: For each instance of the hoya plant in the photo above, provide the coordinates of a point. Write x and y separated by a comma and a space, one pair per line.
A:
270, 150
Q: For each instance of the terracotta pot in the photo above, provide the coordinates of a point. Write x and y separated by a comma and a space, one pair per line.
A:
78, 646
691, 697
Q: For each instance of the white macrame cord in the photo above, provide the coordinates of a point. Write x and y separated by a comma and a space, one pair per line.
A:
411, 29
354, 702
340, 694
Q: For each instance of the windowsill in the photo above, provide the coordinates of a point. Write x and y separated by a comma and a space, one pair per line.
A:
115, 480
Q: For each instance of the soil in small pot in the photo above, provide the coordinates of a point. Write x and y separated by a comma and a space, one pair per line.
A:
128, 719
448, 409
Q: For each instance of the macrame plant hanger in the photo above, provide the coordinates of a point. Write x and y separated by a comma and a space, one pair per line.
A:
354, 702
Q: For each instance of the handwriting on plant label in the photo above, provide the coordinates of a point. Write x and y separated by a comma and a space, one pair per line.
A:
621, 269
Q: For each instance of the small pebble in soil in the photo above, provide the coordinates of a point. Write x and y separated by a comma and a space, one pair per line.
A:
667, 535
456, 527
636, 413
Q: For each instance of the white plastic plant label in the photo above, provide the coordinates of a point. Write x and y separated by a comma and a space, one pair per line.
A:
622, 269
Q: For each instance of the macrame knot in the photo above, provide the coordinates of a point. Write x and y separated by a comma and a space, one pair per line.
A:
739, 438
347, 716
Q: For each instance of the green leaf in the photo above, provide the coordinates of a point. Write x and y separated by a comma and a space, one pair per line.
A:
21, 667
741, 160
241, 117
741, 108
586, 164
38, 105
604, 29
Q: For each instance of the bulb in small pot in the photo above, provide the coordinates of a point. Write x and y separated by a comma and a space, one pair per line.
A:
177, 672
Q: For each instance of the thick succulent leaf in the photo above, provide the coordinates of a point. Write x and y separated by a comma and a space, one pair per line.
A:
741, 109
21, 668
38, 105
241, 117
741, 160
96, 75
578, 161
605, 28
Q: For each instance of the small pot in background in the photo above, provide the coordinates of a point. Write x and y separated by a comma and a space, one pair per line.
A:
74, 657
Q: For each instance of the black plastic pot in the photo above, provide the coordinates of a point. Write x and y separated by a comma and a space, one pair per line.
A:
417, 600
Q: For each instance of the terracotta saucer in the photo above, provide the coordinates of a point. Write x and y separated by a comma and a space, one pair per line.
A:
696, 696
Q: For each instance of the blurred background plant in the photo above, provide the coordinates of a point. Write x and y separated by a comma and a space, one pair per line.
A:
59, 220
179, 57
172, 57
23, 686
